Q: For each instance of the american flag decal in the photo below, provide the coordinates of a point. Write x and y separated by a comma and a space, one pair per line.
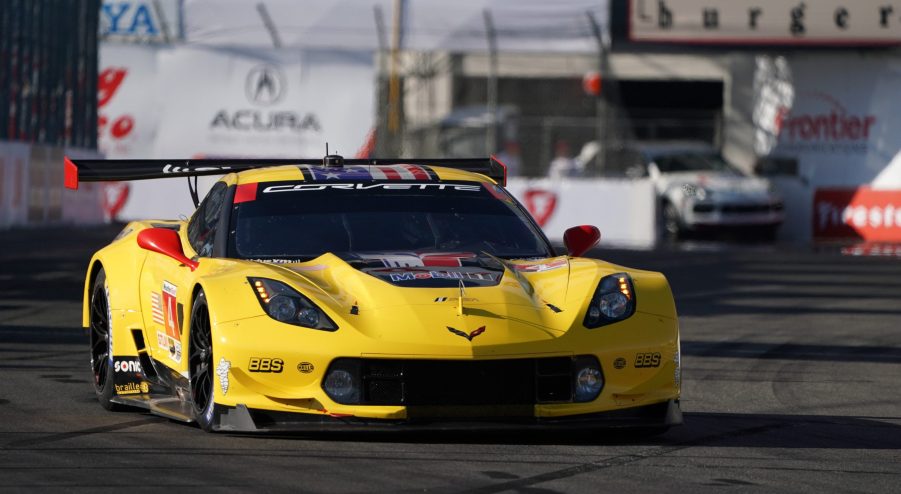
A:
362, 172
156, 307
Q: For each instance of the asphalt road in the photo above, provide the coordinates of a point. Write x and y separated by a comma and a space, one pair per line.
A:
792, 382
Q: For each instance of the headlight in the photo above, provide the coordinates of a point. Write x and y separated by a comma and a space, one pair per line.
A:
696, 191
588, 378
613, 300
342, 381
287, 305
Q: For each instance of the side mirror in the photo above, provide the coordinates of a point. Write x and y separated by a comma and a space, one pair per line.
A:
580, 239
166, 242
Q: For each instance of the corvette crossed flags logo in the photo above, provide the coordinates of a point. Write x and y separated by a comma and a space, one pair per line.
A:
469, 336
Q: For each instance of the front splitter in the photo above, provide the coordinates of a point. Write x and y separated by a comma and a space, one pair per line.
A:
243, 419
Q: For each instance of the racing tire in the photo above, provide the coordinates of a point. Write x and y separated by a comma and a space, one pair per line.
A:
200, 363
101, 343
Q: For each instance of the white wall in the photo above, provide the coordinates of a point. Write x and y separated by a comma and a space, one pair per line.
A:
624, 210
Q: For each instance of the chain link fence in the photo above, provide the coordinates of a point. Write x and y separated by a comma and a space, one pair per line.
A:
538, 140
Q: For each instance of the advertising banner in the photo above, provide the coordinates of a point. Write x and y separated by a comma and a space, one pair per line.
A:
127, 100
263, 102
857, 214
194, 102
838, 115
141, 20
765, 22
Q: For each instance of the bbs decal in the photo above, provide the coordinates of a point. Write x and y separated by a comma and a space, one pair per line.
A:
265, 364
647, 360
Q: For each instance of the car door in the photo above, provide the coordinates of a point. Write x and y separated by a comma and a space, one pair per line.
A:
166, 286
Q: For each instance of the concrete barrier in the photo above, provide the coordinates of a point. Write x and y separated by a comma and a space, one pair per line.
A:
624, 210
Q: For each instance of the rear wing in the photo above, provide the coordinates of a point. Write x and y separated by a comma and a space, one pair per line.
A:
88, 170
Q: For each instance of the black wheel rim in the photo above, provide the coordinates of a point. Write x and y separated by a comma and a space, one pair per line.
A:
100, 338
201, 359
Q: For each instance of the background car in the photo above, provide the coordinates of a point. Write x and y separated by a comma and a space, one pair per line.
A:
698, 189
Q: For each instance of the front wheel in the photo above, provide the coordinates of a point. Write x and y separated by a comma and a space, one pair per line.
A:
200, 364
672, 223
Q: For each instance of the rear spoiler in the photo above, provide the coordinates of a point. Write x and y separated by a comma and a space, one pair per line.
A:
78, 170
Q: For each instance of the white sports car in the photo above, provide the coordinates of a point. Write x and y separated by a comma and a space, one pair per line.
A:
699, 189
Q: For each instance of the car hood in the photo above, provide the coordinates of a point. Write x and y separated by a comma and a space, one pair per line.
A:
528, 302
514, 301
723, 184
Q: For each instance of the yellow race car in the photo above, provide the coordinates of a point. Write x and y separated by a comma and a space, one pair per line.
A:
319, 294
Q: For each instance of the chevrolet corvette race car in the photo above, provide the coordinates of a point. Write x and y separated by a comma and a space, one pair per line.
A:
320, 294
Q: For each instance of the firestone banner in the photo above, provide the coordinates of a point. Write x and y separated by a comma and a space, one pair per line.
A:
860, 213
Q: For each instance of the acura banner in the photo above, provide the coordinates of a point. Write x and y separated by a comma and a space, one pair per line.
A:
193, 102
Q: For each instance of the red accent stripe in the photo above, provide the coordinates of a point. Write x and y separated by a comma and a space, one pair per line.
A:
390, 173
71, 170
246, 193
417, 171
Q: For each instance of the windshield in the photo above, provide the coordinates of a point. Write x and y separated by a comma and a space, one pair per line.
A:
298, 221
687, 161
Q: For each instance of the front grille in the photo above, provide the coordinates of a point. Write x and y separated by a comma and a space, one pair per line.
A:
466, 383
745, 208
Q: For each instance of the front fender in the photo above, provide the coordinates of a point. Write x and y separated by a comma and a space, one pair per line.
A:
122, 260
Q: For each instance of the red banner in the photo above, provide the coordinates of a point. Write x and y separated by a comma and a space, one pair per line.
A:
859, 213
